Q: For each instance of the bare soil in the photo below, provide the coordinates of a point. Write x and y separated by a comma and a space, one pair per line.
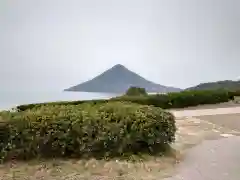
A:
87, 170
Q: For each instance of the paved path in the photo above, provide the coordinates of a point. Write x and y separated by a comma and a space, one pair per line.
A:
203, 112
229, 121
211, 160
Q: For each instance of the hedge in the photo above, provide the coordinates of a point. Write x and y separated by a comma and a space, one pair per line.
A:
194, 98
166, 101
180, 99
36, 105
234, 93
109, 129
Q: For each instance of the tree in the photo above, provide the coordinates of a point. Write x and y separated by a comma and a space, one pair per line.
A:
136, 91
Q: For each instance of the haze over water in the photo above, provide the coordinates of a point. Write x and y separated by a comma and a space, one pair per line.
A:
11, 99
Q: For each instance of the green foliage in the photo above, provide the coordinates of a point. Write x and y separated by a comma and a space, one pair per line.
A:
179, 99
234, 93
36, 105
227, 85
194, 98
99, 127
166, 101
86, 130
136, 91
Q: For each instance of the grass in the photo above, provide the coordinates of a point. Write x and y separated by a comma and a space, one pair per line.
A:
148, 168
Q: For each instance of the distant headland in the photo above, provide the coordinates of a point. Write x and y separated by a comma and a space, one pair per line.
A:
117, 80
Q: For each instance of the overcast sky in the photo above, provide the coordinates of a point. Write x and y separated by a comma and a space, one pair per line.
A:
54, 44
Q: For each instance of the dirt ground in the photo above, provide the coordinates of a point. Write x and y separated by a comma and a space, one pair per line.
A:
87, 170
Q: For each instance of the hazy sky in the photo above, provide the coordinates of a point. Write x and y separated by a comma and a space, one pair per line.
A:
54, 44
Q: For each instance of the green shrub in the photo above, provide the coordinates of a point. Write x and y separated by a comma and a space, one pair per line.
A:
108, 129
136, 91
234, 93
166, 101
31, 106
194, 98
179, 99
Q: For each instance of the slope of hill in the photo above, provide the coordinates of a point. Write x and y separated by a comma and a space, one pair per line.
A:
117, 80
227, 84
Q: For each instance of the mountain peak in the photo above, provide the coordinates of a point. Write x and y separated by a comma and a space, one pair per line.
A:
117, 80
119, 66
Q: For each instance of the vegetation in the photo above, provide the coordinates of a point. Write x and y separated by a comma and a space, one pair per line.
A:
165, 101
227, 85
181, 99
117, 127
234, 93
37, 105
86, 130
136, 91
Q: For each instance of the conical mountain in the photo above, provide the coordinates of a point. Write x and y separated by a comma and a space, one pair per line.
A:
117, 80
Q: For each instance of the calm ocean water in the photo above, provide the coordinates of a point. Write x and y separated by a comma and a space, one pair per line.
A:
11, 99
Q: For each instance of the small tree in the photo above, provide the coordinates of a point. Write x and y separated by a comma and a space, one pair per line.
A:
136, 91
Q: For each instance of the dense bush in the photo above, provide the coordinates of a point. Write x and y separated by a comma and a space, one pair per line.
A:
136, 91
107, 129
165, 101
234, 93
31, 106
194, 98
180, 99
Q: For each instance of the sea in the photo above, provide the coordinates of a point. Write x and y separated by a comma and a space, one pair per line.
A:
9, 100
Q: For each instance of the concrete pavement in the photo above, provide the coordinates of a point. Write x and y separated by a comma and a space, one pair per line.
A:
211, 160
204, 112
